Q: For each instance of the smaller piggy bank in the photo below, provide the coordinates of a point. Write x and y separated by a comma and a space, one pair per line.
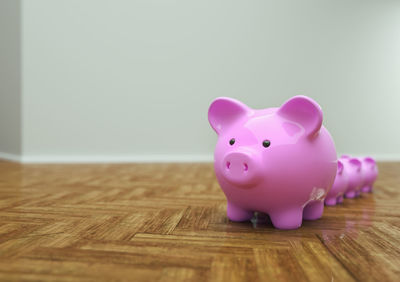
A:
355, 176
370, 173
278, 161
339, 187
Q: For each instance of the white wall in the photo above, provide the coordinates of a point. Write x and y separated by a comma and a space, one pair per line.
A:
10, 79
111, 80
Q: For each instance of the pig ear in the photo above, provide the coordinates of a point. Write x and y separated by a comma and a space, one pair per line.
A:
305, 111
370, 162
224, 111
339, 167
355, 162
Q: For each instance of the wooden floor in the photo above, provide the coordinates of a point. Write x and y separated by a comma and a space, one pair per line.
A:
167, 222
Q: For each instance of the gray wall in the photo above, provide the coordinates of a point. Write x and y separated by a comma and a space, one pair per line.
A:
10, 79
132, 80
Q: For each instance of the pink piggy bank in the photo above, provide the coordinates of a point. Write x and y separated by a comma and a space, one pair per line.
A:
370, 173
353, 167
335, 195
278, 161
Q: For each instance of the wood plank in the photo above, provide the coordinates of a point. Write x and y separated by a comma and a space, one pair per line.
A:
167, 222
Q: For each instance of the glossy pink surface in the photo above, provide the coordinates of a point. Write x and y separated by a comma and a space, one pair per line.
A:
335, 195
279, 161
370, 173
355, 175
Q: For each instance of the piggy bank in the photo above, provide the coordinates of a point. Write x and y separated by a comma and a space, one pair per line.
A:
370, 173
278, 161
355, 176
335, 195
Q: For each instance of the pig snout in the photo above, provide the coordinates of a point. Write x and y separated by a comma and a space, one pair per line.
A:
241, 168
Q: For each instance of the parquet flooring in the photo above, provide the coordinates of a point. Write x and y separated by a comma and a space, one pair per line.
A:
167, 222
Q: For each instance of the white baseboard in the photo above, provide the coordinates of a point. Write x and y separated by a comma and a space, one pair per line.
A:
176, 158
377, 157
10, 157
118, 159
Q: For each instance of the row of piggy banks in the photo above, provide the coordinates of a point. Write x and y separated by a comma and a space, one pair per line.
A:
353, 176
282, 162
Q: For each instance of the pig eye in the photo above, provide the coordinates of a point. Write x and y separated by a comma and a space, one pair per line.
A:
232, 141
266, 143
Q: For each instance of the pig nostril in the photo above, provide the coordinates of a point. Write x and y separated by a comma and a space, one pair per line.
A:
228, 164
246, 167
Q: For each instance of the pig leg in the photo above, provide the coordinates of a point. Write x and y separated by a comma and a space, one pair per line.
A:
330, 201
287, 219
350, 194
313, 210
238, 214
365, 189
340, 199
